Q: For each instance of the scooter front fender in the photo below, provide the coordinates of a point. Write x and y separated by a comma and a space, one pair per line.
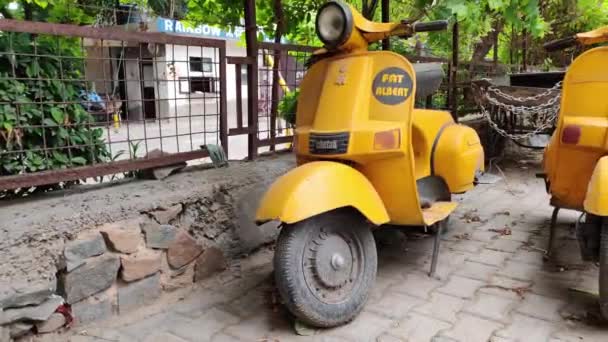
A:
596, 199
318, 187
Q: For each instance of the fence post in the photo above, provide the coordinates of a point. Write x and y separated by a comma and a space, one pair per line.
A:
251, 40
276, 94
454, 72
223, 100
524, 51
386, 43
495, 52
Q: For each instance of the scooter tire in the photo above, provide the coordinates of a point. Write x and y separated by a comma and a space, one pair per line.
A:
603, 262
302, 280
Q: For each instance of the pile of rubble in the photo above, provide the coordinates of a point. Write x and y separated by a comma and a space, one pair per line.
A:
112, 269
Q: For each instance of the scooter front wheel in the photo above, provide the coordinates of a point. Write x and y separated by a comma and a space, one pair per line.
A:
325, 267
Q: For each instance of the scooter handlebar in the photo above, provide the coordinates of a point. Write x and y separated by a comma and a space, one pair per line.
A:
560, 44
437, 25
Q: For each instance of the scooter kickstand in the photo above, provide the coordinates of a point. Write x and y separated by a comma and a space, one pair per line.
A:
435, 250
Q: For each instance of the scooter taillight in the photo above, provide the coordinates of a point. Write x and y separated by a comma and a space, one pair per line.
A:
571, 134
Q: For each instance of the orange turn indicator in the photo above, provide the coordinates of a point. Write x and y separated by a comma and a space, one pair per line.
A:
387, 140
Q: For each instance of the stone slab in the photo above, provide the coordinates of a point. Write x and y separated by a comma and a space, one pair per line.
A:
159, 236
92, 310
19, 295
77, 251
138, 293
39, 312
183, 250
95, 276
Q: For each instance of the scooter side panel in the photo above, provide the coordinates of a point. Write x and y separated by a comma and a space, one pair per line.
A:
596, 199
395, 178
581, 136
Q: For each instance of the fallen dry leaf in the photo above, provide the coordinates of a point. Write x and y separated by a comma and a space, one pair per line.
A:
503, 231
463, 236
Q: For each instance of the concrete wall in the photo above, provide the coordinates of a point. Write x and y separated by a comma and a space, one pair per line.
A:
211, 209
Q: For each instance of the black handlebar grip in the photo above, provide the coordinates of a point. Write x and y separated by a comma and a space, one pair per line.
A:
560, 44
437, 25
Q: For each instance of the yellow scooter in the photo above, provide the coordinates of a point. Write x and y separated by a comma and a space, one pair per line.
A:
576, 158
365, 158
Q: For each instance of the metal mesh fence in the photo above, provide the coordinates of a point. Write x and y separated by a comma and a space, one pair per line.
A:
87, 97
281, 68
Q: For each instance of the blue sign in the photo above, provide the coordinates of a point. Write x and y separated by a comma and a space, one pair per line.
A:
175, 26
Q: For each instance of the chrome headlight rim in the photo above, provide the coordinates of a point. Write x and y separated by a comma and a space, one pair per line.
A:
348, 24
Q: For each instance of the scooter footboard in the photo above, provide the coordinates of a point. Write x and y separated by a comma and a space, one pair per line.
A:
318, 187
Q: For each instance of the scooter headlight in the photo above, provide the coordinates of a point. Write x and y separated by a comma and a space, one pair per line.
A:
334, 23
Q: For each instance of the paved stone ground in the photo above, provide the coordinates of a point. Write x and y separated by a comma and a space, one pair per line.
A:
489, 286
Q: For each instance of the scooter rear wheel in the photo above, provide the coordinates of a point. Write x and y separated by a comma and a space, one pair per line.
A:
325, 267
603, 279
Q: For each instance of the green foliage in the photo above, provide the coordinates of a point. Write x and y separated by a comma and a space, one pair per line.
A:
288, 107
39, 110
176, 9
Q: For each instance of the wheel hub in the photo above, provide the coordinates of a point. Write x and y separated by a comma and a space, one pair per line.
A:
335, 261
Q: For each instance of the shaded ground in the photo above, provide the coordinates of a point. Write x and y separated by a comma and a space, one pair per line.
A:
490, 286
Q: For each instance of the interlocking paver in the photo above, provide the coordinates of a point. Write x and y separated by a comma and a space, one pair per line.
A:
204, 327
199, 300
588, 283
467, 246
541, 307
491, 307
381, 286
417, 284
519, 271
505, 245
549, 286
388, 338
578, 332
448, 262
98, 335
461, 287
250, 303
386, 306
418, 328
475, 270
506, 287
164, 337
265, 325
151, 325
527, 256
470, 328
567, 252
484, 235
490, 257
221, 337
443, 339
366, 327
524, 328
517, 235
441, 306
